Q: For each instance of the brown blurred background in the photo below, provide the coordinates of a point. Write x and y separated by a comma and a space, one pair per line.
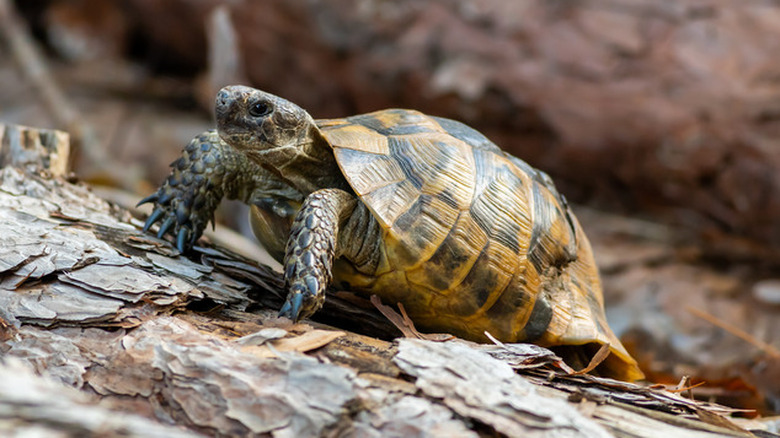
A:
660, 119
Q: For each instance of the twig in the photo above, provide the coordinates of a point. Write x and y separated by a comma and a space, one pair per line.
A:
736, 331
687, 388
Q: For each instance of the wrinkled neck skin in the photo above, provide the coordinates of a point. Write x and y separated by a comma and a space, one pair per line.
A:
307, 165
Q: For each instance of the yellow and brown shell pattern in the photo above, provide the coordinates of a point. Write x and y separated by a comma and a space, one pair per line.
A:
474, 239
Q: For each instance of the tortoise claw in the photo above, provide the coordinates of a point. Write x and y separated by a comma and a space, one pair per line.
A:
182, 213
156, 214
292, 307
297, 301
169, 221
182, 239
151, 198
285, 310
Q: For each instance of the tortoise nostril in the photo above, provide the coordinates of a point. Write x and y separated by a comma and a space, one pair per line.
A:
223, 97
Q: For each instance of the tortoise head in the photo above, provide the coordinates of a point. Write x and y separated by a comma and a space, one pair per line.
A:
255, 121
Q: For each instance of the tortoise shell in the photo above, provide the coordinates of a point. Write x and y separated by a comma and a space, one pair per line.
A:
474, 239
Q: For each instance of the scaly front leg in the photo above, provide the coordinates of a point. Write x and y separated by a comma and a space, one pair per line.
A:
209, 170
311, 248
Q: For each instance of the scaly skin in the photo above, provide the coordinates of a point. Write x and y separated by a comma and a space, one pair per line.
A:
208, 171
311, 249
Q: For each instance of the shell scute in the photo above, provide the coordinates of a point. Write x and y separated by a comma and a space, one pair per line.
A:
346, 135
371, 171
391, 201
437, 165
396, 122
454, 257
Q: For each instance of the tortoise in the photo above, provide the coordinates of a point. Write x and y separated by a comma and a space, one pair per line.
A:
417, 209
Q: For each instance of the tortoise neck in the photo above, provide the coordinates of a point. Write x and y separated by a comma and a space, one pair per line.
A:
318, 164
308, 165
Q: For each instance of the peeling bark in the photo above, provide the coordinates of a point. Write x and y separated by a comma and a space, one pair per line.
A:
192, 346
36, 407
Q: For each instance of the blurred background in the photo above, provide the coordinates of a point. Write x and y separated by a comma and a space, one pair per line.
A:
659, 120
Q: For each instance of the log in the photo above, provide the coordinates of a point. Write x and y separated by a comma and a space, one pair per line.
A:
35, 149
35, 406
191, 345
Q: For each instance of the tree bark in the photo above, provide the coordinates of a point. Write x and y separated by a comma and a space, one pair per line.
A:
191, 345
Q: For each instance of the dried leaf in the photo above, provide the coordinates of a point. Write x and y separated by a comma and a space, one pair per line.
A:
308, 341
403, 323
261, 337
595, 360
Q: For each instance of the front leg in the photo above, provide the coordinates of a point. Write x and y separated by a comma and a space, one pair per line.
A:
185, 203
311, 248
209, 170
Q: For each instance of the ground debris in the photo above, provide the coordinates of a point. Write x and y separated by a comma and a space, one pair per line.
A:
522, 356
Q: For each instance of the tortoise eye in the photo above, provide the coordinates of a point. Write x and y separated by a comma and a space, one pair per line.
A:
260, 109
